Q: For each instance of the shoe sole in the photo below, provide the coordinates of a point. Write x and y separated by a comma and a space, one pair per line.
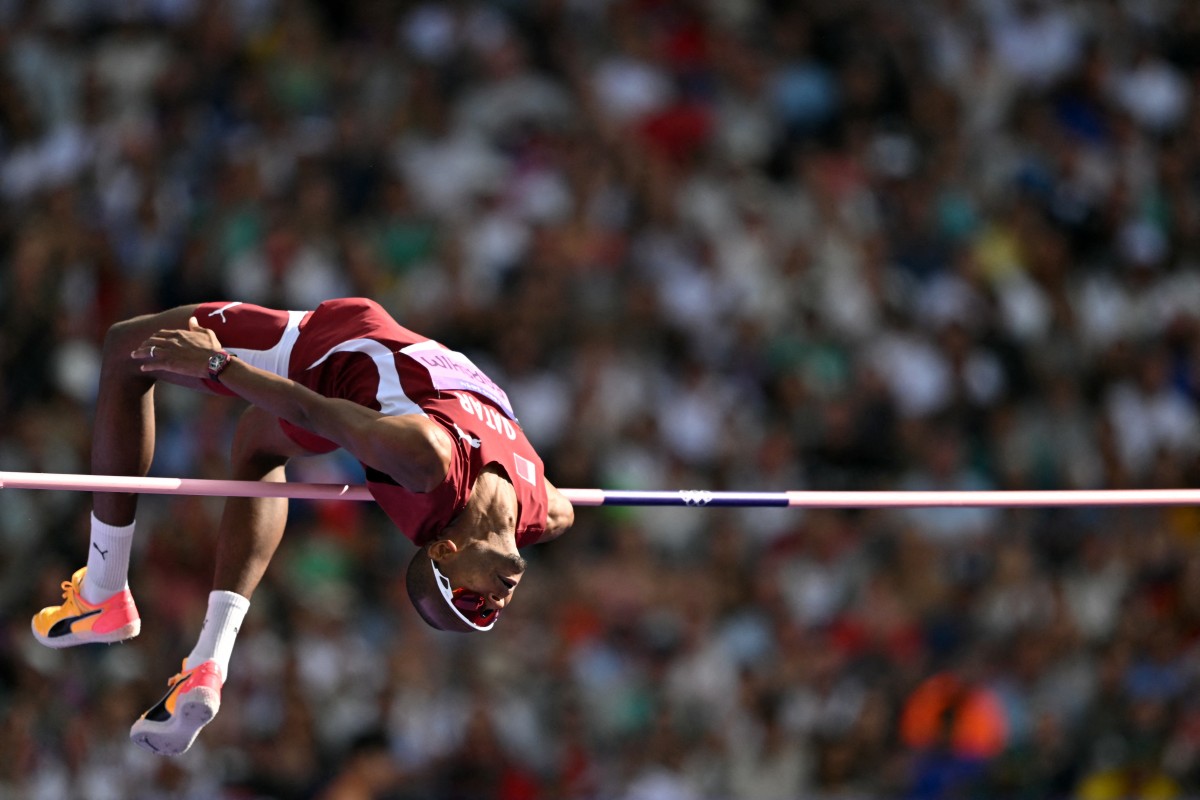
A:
73, 639
193, 711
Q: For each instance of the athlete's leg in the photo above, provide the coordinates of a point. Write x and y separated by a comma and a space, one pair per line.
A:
123, 444
97, 605
251, 528
123, 429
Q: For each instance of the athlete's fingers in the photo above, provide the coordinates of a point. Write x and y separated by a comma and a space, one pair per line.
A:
181, 352
207, 334
197, 340
161, 340
154, 346
168, 357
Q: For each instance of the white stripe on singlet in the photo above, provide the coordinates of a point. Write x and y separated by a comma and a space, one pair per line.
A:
390, 394
274, 359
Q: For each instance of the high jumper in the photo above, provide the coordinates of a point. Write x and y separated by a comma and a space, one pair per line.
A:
443, 454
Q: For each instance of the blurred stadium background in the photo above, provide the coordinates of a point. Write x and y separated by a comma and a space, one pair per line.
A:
725, 244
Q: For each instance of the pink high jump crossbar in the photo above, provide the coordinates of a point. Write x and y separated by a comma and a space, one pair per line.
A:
604, 497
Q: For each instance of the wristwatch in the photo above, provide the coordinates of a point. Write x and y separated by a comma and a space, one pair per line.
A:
217, 363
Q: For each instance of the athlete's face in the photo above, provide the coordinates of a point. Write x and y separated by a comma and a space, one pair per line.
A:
482, 574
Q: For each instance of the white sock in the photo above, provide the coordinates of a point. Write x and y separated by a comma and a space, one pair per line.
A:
226, 610
108, 560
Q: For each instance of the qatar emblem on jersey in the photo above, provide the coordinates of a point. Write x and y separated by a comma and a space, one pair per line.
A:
526, 469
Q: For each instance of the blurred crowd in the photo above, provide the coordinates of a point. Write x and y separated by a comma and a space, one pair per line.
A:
704, 244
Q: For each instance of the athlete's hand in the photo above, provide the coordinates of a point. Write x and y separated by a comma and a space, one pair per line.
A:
182, 352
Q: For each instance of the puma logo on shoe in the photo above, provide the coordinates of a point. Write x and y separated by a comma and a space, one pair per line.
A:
160, 712
63, 626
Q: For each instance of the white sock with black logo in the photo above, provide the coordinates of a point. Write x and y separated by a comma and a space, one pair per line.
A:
226, 610
108, 560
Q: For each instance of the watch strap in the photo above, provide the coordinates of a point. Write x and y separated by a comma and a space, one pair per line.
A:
217, 363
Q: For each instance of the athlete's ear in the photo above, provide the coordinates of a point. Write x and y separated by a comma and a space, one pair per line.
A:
441, 549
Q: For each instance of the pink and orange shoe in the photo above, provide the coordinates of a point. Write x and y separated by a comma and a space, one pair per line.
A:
170, 726
77, 621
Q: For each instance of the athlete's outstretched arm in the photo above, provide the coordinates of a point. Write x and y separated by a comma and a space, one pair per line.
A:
411, 449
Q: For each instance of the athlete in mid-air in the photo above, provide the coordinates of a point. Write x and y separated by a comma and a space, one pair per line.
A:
440, 445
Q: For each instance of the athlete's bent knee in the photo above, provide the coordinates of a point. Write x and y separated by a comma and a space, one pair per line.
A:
121, 339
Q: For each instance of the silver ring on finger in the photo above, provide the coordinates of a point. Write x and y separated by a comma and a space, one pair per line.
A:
152, 351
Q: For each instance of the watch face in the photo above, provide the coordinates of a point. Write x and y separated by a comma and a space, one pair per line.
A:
216, 361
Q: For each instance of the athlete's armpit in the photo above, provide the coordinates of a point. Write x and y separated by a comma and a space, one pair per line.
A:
413, 450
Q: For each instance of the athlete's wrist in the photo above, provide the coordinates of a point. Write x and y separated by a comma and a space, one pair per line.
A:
217, 363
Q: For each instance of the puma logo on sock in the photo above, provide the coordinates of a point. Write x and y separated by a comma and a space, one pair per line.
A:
103, 553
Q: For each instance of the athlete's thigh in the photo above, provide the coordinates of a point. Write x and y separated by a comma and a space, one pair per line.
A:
262, 337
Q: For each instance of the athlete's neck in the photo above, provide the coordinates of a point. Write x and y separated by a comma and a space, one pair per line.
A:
491, 510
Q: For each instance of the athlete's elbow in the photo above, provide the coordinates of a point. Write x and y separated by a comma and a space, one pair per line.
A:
564, 519
560, 515
565, 515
